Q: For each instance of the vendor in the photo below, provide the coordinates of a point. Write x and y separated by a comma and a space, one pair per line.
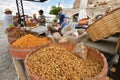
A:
34, 19
8, 18
41, 18
63, 21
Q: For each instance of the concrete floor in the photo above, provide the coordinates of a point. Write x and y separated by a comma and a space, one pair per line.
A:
7, 69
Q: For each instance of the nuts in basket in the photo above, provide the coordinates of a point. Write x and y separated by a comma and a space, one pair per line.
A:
55, 63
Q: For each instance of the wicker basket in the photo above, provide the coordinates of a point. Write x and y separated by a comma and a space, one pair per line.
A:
14, 38
10, 40
92, 53
20, 53
105, 26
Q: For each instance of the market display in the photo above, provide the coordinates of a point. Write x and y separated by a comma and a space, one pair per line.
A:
15, 33
30, 41
57, 63
18, 33
26, 44
70, 48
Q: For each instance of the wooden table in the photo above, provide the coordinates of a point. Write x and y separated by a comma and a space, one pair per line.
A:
20, 69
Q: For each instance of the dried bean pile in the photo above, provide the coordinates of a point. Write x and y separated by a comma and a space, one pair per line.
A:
55, 63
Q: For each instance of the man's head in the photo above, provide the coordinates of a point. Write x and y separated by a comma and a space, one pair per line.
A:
8, 11
41, 12
59, 10
34, 15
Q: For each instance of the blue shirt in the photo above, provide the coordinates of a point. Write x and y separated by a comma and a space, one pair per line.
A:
62, 16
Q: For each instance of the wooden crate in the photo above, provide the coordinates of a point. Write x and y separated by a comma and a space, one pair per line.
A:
105, 26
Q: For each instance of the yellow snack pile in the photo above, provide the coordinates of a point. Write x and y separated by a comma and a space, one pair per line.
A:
30, 41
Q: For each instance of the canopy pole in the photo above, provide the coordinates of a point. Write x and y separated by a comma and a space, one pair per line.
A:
21, 12
82, 12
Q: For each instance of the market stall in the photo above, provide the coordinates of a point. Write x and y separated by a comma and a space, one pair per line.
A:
67, 54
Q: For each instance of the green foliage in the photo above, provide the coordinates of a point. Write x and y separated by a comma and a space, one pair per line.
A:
11, 25
55, 20
54, 10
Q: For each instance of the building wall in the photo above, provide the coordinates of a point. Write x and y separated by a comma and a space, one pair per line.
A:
91, 10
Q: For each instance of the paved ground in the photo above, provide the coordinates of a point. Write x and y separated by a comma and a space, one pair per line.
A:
7, 69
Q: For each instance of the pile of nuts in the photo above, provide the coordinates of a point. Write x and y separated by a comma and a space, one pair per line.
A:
55, 63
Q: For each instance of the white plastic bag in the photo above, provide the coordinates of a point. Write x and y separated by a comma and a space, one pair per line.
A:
67, 29
81, 50
50, 36
72, 36
76, 33
56, 36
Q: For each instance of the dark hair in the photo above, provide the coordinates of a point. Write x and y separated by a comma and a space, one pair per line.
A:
41, 11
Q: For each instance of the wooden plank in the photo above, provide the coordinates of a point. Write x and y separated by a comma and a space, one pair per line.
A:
20, 71
106, 45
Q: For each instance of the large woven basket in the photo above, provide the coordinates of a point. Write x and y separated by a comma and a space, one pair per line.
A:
20, 53
105, 26
92, 53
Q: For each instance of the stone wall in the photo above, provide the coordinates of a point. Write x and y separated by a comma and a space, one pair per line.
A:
76, 4
92, 10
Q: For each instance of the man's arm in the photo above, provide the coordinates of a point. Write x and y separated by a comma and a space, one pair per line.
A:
64, 21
